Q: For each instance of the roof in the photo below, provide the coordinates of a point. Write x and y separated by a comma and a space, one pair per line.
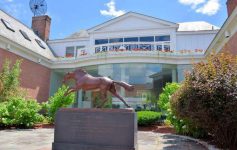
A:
196, 26
184, 26
80, 34
18, 38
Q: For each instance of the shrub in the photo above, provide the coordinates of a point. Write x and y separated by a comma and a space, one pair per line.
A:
164, 104
181, 125
208, 98
164, 97
146, 118
57, 101
20, 112
9, 81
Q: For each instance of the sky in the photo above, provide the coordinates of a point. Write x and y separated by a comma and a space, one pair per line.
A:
69, 16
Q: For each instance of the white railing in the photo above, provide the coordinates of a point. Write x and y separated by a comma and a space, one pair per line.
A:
118, 49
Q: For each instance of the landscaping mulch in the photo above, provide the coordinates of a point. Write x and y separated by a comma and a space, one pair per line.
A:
43, 126
158, 128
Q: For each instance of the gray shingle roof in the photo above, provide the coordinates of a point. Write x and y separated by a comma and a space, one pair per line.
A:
197, 26
18, 38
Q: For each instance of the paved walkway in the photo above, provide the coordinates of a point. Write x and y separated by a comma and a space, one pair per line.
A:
41, 139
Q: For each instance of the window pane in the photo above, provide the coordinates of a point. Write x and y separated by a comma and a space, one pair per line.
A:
146, 47
131, 39
104, 49
163, 38
25, 35
80, 50
97, 49
101, 41
40, 44
117, 40
167, 47
147, 39
114, 47
70, 51
7, 25
159, 47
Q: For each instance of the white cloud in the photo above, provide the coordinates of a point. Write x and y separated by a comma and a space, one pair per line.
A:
193, 3
206, 7
210, 8
112, 10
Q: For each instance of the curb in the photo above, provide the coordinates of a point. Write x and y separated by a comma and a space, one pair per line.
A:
205, 144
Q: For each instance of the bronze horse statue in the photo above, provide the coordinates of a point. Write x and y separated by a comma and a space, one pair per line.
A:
87, 82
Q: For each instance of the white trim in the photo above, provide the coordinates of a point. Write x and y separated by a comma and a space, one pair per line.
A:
197, 32
220, 40
126, 57
169, 24
67, 40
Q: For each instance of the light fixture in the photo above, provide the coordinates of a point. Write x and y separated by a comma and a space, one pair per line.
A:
8, 47
39, 60
227, 34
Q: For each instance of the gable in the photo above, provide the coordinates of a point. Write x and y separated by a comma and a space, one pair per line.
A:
132, 21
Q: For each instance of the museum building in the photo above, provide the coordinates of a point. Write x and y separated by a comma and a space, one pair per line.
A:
141, 50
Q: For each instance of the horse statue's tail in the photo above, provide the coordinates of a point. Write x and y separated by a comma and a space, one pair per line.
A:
125, 85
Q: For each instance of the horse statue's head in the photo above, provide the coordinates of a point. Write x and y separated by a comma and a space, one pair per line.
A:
68, 76
75, 74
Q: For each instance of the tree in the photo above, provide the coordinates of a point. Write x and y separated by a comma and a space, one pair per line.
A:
9, 80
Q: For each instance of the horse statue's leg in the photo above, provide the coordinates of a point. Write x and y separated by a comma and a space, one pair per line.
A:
119, 97
70, 90
125, 85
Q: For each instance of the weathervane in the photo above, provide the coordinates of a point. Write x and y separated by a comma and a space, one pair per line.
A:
38, 7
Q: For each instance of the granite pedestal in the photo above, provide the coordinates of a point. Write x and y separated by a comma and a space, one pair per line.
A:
95, 129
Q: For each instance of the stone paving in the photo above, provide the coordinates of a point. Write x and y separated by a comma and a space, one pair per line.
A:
41, 139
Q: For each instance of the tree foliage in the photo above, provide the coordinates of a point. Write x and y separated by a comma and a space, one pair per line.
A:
20, 112
57, 101
9, 80
164, 97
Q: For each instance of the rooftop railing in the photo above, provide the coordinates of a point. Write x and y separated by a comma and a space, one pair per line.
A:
134, 49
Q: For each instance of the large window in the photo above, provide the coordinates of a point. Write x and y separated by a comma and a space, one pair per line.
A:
159, 43
116, 40
70, 51
162, 38
147, 39
101, 41
131, 39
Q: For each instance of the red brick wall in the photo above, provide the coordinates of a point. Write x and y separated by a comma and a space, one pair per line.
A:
35, 78
231, 46
231, 4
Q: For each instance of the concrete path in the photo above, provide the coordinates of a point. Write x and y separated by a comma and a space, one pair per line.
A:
41, 139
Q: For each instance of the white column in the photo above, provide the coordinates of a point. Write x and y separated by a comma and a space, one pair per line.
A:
123, 78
